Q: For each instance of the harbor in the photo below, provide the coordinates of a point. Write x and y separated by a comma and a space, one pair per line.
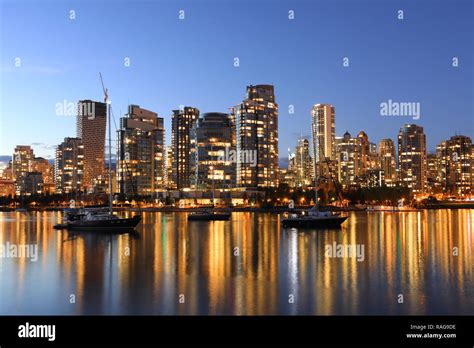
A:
250, 264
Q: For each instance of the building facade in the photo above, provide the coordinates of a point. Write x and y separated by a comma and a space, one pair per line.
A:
364, 153
214, 163
388, 161
348, 152
412, 157
141, 152
69, 166
22, 161
42, 165
32, 183
182, 142
454, 158
432, 184
22, 164
323, 129
169, 168
91, 125
256, 129
302, 163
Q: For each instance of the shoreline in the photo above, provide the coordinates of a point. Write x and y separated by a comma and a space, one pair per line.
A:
274, 210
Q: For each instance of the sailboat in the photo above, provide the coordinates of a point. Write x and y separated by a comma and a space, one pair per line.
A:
209, 214
314, 218
100, 220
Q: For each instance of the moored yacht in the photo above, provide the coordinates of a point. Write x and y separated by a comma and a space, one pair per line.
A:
209, 215
313, 218
100, 220
103, 222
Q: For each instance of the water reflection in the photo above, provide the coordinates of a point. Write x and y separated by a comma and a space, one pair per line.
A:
246, 266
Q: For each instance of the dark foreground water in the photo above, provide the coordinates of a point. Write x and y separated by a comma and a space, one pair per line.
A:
249, 265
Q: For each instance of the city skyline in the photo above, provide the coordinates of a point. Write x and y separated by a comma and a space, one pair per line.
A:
210, 81
238, 159
39, 150
210, 146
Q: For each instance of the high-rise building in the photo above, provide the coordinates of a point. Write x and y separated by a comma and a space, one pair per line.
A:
256, 129
455, 165
42, 165
22, 164
286, 176
412, 157
373, 160
348, 152
69, 166
364, 152
441, 164
302, 163
323, 132
91, 125
460, 173
169, 168
213, 163
432, 184
472, 167
32, 183
388, 161
46, 169
182, 142
22, 161
141, 152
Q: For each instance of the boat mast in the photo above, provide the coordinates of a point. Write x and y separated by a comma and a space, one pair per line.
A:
106, 101
315, 178
315, 188
110, 161
212, 173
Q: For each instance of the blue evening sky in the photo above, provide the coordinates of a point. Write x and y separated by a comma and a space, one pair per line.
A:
177, 62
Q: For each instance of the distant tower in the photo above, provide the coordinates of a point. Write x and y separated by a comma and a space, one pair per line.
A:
323, 132
303, 163
412, 157
388, 161
22, 164
364, 152
22, 161
91, 125
182, 122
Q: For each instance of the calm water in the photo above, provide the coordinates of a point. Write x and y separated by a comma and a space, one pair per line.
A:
406, 253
